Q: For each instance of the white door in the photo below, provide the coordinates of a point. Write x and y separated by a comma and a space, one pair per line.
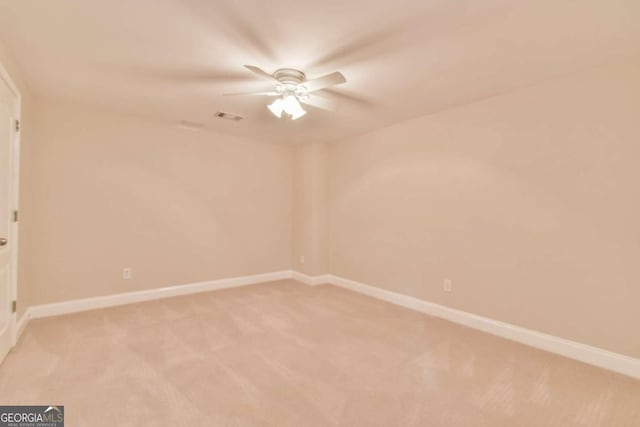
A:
8, 199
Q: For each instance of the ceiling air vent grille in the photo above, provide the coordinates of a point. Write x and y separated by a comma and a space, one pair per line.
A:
228, 116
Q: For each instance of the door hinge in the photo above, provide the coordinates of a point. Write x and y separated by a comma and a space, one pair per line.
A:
17, 125
15, 216
14, 306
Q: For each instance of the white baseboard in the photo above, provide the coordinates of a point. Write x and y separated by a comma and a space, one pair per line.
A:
310, 280
592, 355
73, 306
595, 356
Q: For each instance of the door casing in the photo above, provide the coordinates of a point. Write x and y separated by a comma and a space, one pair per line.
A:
14, 198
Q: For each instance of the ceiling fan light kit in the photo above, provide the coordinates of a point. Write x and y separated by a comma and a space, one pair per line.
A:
293, 89
288, 104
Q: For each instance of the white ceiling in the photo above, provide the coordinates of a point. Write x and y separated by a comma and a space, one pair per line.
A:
172, 59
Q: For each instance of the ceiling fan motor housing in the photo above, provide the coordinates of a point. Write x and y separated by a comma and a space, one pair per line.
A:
289, 78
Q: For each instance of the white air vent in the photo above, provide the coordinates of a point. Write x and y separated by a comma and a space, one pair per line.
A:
228, 116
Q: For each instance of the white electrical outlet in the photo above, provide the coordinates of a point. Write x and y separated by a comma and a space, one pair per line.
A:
301, 259
446, 285
126, 273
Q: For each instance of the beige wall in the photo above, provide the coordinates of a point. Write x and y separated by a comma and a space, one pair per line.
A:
309, 214
175, 205
529, 202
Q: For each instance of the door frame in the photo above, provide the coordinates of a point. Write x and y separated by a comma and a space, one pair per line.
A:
13, 200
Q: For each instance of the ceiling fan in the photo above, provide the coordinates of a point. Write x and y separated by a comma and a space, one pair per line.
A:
292, 88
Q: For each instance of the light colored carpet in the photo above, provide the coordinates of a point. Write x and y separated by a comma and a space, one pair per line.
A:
284, 354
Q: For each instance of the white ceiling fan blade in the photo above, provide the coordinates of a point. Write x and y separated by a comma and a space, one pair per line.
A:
319, 102
259, 71
325, 81
264, 92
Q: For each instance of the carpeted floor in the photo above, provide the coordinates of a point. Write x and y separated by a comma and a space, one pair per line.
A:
285, 354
